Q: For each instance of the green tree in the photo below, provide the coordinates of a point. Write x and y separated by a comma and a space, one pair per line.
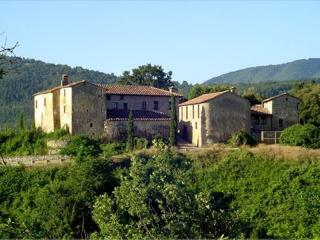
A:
155, 200
150, 75
173, 122
198, 89
130, 133
252, 95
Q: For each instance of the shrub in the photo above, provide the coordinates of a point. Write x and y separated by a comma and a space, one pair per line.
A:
301, 135
241, 138
140, 143
58, 134
82, 146
112, 149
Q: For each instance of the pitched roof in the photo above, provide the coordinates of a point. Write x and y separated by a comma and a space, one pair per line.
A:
203, 98
258, 109
137, 90
279, 95
121, 114
73, 84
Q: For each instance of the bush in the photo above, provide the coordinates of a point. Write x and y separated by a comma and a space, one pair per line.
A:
112, 149
22, 142
140, 143
301, 135
241, 138
58, 134
82, 146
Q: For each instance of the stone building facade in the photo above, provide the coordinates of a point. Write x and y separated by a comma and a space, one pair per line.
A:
213, 117
275, 113
101, 111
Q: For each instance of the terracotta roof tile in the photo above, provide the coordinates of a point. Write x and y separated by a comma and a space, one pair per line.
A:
259, 110
279, 95
121, 114
59, 87
203, 98
137, 90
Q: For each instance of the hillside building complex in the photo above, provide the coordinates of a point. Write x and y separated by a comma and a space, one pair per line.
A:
102, 111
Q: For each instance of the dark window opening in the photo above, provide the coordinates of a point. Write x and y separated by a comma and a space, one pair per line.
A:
257, 120
198, 111
91, 124
196, 125
144, 105
115, 105
121, 97
36, 104
64, 109
108, 97
156, 105
125, 106
280, 123
297, 106
44, 102
186, 112
263, 121
192, 111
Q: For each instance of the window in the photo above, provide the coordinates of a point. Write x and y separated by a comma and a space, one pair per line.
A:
36, 103
121, 97
64, 92
286, 99
144, 105
125, 106
256, 120
115, 105
280, 123
192, 111
196, 125
44, 102
186, 112
64, 109
181, 108
91, 124
156, 105
263, 121
297, 106
198, 111
108, 97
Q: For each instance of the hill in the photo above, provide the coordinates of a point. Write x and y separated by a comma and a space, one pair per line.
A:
26, 76
296, 70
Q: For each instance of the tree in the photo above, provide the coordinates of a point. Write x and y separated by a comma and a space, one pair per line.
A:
155, 200
253, 97
130, 132
173, 122
4, 52
149, 75
198, 89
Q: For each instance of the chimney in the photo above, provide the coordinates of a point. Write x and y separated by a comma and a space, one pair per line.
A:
173, 89
232, 89
64, 80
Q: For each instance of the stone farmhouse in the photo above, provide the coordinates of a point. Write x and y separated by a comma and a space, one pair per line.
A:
213, 117
103, 110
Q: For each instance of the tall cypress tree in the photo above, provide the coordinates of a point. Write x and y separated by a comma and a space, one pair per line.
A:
173, 122
130, 132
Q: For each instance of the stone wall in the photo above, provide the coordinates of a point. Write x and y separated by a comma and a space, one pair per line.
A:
30, 161
117, 130
88, 110
286, 109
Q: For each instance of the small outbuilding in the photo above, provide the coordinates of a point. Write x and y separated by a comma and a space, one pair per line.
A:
213, 117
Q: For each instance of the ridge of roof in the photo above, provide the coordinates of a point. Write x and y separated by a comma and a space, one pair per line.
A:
279, 95
137, 90
50, 90
203, 98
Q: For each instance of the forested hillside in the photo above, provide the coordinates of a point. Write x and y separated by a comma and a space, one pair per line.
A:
26, 76
299, 69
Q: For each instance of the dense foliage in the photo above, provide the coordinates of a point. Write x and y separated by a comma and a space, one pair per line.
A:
310, 106
155, 200
271, 197
150, 75
241, 138
22, 142
306, 135
299, 69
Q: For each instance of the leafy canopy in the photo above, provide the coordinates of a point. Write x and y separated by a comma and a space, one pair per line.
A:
149, 75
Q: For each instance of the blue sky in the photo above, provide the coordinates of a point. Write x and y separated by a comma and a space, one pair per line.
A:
197, 40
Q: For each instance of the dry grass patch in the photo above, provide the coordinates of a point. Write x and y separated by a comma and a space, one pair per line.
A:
289, 152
